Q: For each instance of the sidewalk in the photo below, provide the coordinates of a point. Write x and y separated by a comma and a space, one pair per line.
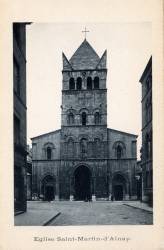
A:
139, 205
38, 214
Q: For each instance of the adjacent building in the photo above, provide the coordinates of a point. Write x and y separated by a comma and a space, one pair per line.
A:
84, 159
29, 172
146, 155
19, 119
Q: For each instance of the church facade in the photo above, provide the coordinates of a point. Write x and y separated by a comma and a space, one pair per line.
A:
84, 160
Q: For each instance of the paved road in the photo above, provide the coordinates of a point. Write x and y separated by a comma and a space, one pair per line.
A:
99, 213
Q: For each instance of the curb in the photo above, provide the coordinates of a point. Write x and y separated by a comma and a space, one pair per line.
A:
151, 212
51, 219
19, 212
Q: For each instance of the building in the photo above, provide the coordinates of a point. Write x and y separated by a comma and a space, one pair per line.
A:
146, 155
139, 181
84, 159
29, 173
19, 93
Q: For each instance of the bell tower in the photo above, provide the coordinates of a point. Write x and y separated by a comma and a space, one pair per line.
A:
84, 118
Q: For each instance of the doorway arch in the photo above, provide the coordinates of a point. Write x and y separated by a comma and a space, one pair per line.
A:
119, 187
82, 183
48, 188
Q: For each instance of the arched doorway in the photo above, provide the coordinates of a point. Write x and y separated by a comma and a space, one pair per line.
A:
48, 188
82, 177
119, 187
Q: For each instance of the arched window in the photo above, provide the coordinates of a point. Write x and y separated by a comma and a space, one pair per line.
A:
97, 118
49, 153
79, 83
96, 82
71, 83
119, 152
119, 149
71, 118
97, 147
83, 146
89, 83
84, 118
70, 147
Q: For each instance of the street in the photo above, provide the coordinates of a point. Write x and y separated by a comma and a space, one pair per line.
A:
100, 213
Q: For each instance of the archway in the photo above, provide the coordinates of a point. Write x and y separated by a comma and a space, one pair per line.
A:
119, 187
48, 188
82, 177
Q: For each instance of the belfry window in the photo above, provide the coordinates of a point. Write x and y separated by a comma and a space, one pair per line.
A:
96, 82
49, 153
89, 83
84, 118
79, 83
71, 83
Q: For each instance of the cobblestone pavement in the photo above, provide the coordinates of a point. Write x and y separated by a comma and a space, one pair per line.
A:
100, 213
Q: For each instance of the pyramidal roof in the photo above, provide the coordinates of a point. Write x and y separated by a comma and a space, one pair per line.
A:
85, 57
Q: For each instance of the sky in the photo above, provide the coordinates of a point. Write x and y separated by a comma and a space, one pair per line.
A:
129, 47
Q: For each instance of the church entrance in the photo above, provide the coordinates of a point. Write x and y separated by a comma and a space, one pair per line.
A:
119, 187
118, 193
49, 193
82, 177
48, 188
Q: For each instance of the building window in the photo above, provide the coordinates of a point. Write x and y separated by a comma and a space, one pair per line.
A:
119, 149
71, 83
97, 118
84, 118
70, 150
97, 147
119, 152
71, 118
16, 130
49, 153
79, 83
83, 146
16, 77
148, 146
96, 82
89, 83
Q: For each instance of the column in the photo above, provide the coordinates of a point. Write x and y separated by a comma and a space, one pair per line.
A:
127, 191
109, 189
57, 189
71, 198
93, 188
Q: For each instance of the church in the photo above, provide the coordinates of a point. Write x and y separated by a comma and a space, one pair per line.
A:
84, 160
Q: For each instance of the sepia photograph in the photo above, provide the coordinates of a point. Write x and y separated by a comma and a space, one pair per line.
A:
82, 118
